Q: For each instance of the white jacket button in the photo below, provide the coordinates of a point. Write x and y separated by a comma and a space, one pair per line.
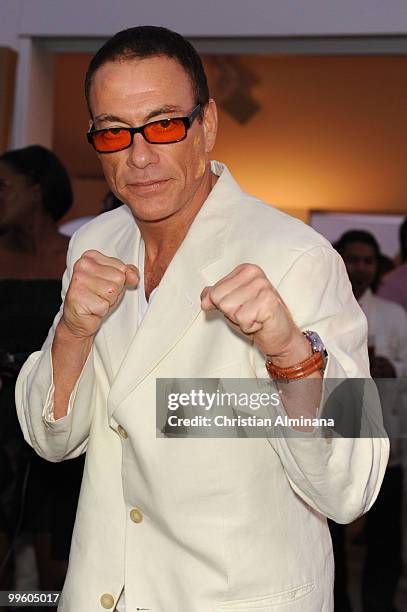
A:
107, 601
122, 432
136, 515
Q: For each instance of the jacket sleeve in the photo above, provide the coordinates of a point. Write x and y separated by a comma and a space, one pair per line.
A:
67, 437
339, 477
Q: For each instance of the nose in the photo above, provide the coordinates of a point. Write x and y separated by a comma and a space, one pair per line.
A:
141, 153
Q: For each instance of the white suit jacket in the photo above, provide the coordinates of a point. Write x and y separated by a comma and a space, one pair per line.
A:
228, 524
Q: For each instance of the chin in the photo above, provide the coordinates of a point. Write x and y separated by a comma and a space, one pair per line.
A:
151, 213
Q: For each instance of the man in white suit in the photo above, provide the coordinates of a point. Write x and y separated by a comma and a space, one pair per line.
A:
193, 278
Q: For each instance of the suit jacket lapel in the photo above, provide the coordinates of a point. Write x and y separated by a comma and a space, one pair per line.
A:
120, 327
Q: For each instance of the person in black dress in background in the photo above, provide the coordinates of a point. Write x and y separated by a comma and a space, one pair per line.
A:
35, 192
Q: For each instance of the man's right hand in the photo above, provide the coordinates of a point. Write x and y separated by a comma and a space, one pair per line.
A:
97, 286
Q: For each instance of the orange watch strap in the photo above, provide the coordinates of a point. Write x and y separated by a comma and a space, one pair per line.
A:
300, 370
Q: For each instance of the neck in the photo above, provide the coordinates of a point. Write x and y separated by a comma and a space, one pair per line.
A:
163, 238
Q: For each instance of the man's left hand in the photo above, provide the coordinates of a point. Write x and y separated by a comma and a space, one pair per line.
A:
252, 306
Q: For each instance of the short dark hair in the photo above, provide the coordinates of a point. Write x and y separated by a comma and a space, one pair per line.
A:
353, 236
403, 240
42, 167
149, 41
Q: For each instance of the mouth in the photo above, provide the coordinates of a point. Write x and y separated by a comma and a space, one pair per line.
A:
147, 186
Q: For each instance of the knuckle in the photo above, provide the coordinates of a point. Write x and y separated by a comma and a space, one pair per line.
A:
241, 267
78, 265
252, 269
239, 318
244, 323
223, 304
117, 265
267, 292
83, 264
89, 254
121, 266
214, 295
119, 276
262, 285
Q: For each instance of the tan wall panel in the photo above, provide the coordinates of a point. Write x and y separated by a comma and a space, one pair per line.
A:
330, 133
88, 195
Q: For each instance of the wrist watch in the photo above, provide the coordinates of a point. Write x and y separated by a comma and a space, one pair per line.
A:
317, 361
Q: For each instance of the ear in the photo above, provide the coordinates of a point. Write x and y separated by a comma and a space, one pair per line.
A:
210, 124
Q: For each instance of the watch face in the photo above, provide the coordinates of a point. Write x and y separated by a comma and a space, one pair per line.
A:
316, 342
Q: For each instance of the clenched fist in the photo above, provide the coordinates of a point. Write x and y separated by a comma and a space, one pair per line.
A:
252, 306
98, 284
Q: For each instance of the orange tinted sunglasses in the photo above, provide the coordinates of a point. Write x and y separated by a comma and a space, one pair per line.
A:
163, 131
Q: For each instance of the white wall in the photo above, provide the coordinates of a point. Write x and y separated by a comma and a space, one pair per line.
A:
200, 18
33, 101
384, 227
10, 18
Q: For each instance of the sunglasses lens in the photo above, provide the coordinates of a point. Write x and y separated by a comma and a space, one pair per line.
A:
111, 140
168, 130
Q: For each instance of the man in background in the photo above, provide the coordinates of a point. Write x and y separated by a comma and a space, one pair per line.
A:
387, 344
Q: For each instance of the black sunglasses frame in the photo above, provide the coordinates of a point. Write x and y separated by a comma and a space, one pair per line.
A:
187, 121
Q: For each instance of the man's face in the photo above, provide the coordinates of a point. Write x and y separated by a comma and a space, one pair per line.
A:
361, 263
156, 181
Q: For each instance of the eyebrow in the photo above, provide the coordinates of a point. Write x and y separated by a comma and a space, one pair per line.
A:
168, 108
162, 110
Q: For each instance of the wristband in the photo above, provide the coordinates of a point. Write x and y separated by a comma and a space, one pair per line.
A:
315, 362
300, 370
